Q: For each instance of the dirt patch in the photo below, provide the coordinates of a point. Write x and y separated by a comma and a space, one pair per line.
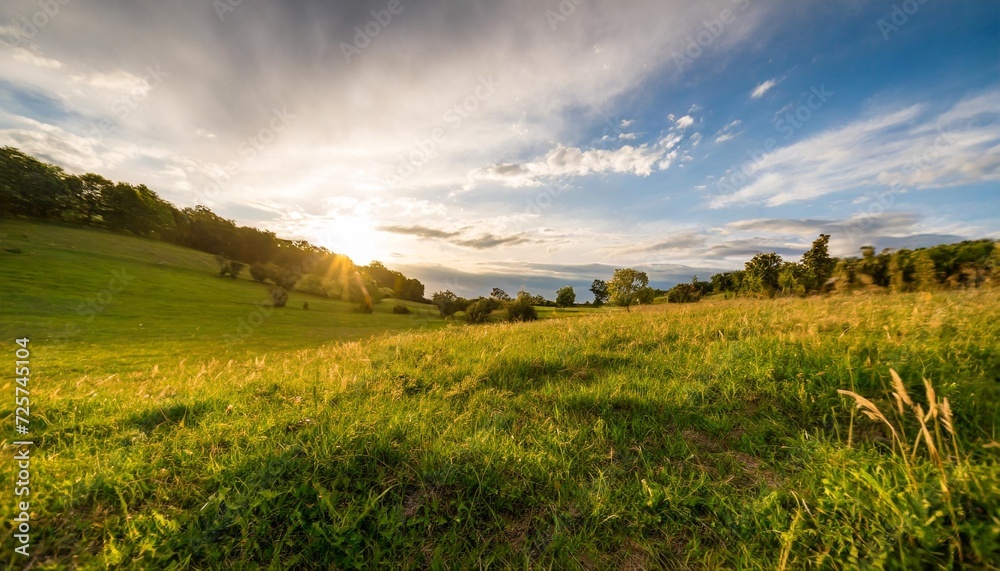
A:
756, 469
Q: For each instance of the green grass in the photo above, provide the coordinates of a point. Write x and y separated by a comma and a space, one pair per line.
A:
707, 435
562, 312
168, 304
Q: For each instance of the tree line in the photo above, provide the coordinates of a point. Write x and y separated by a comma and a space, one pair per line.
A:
34, 189
967, 264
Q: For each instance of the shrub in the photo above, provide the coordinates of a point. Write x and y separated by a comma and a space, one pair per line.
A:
479, 311
305, 305
228, 267
279, 296
521, 310
448, 303
258, 271
646, 296
683, 293
401, 310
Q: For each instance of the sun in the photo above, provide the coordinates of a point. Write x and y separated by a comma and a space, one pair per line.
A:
352, 235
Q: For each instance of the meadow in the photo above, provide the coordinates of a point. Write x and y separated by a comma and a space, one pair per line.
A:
707, 435
100, 300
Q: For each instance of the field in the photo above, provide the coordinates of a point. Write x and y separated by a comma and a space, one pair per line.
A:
118, 302
707, 435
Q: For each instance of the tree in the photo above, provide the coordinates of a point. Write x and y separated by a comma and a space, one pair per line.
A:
136, 209
817, 264
499, 294
762, 273
924, 272
448, 303
258, 271
646, 296
900, 272
228, 267
600, 290
521, 309
30, 187
727, 282
791, 279
565, 296
279, 297
479, 310
683, 293
625, 285
86, 192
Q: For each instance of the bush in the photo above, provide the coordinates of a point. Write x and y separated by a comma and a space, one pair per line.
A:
401, 310
258, 271
305, 305
228, 267
279, 296
479, 311
521, 310
683, 293
448, 303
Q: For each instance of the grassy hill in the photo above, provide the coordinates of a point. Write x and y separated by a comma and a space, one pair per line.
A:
116, 302
705, 435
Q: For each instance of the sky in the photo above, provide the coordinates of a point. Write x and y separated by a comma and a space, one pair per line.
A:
528, 143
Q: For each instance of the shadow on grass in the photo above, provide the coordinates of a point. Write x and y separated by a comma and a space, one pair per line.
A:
177, 415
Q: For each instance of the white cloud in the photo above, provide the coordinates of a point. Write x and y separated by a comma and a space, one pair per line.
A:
726, 133
763, 88
685, 122
25, 56
571, 161
902, 149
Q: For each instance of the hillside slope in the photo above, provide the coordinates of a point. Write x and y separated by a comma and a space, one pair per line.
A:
120, 302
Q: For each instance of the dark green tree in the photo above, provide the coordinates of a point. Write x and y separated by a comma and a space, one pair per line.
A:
762, 273
817, 264
565, 297
499, 294
600, 290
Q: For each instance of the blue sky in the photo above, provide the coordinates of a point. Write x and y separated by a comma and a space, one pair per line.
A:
532, 144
